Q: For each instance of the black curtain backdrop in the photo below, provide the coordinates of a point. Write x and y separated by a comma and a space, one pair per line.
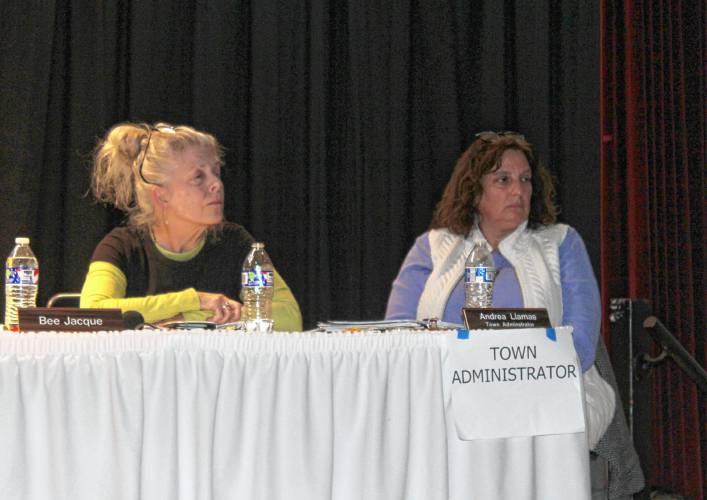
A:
341, 119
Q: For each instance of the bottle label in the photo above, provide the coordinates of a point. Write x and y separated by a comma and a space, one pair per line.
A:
479, 274
21, 275
257, 277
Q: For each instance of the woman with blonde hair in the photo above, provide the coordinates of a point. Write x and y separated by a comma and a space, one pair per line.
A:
176, 258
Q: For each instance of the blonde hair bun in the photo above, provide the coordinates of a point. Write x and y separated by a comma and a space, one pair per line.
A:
134, 157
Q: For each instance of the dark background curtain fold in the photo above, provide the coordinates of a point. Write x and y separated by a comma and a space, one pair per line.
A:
341, 120
653, 170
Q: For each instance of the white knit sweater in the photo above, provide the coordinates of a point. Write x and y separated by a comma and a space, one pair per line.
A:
533, 253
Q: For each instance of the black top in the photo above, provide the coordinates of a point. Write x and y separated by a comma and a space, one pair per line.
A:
216, 268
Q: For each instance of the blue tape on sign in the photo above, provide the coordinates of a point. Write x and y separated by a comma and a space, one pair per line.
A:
550, 332
462, 334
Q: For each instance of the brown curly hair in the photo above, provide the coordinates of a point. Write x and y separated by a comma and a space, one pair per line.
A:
456, 211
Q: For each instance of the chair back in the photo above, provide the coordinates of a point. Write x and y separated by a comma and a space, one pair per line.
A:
64, 299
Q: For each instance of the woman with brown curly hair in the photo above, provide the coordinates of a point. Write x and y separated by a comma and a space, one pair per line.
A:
502, 196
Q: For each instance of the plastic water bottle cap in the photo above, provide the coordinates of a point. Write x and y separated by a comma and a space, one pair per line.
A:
22, 240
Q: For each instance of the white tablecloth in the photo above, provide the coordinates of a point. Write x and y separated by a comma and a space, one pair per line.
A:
158, 415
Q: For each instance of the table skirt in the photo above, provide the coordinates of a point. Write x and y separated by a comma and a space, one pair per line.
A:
161, 415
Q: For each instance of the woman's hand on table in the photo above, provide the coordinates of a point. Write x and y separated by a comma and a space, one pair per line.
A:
224, 310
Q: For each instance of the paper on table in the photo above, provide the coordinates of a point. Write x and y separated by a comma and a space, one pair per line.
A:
384, 325
202, 325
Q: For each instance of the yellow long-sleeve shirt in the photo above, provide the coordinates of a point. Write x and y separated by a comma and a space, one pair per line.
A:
106, 286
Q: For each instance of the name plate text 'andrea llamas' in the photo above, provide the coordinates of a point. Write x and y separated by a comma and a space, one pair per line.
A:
500, 319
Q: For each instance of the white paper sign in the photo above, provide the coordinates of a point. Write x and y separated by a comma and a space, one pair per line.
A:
508, 383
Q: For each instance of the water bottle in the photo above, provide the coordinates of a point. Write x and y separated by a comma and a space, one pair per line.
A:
21, 281
479, 273
257, 289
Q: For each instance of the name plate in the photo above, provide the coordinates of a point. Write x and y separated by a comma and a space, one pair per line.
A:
502, 319
69, 319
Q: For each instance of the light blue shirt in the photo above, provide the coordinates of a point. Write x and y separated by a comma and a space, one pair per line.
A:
580, 293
